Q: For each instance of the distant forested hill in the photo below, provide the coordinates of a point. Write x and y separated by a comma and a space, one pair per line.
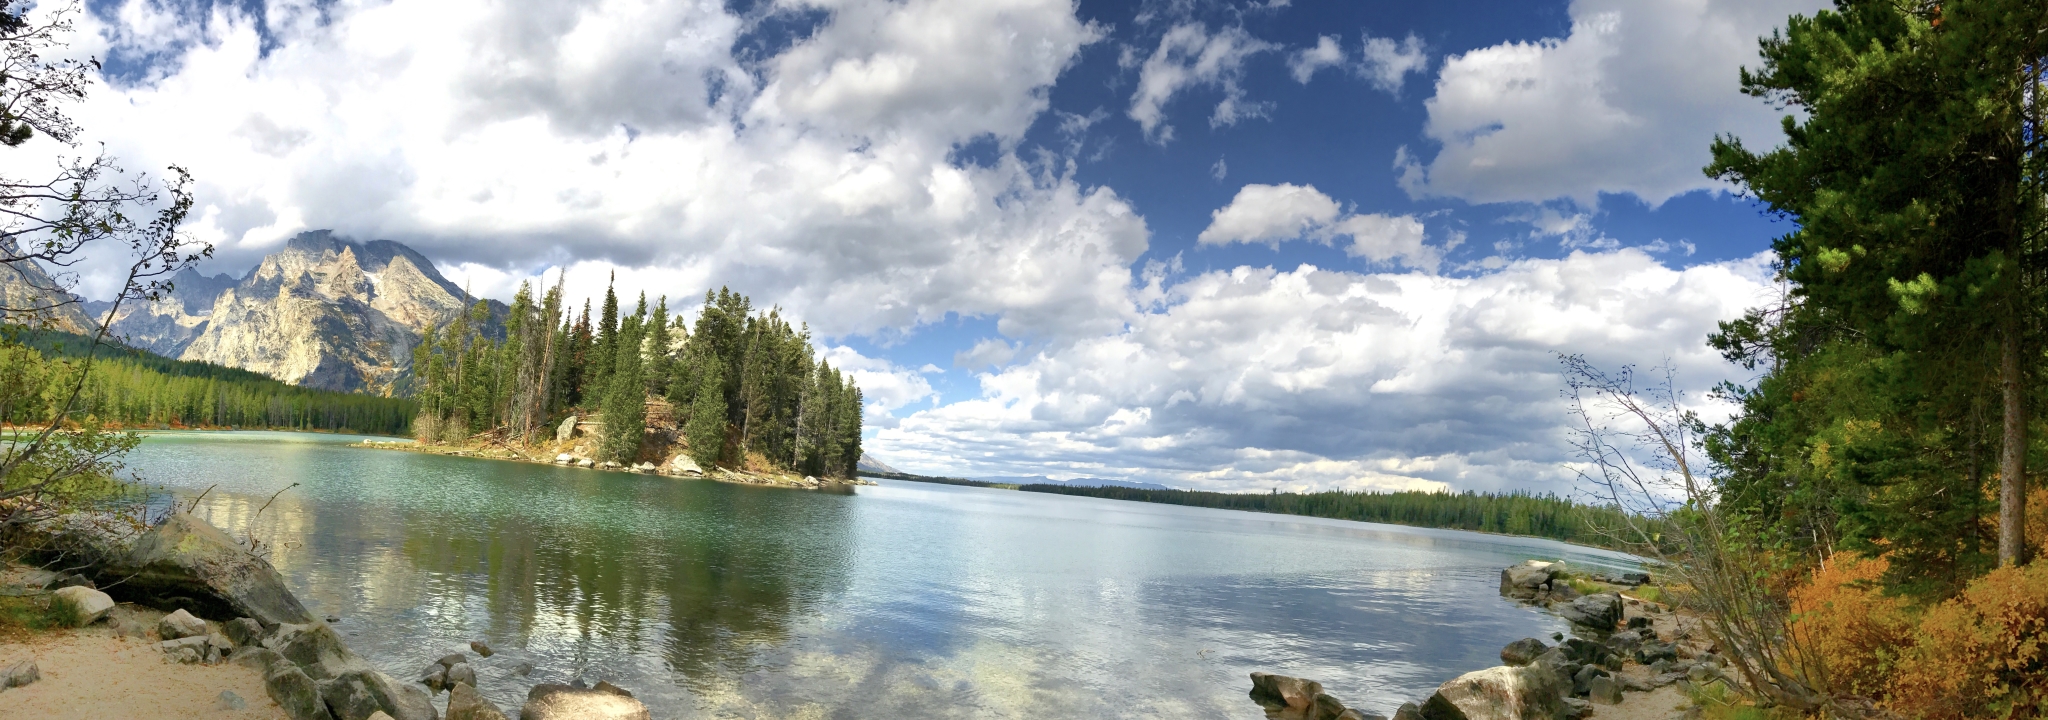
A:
138, 388
1546, 516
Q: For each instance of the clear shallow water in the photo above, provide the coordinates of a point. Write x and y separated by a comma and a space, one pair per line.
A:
906, 600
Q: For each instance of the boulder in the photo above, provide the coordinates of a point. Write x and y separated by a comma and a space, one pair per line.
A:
584, 462
1650, 653
1289, 692
1498, 693
180, 624
607, 686
1634, 578
1408, 711
358, 693
465, 703
435, 677
563, 702
481, 648
1576, 708
1560, 667
685, 465
1582, 681
1326, 708
1625, 642
1604, 691
1523, 651
1525, 578
295, 693
316, 649
85, 605
19, 674
260, 659
243, 631
566, 430
1599, 612
461, 673
565, 458
1357, 714
184, 561
186, 650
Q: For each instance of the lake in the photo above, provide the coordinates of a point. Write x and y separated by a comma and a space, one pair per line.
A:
905, 600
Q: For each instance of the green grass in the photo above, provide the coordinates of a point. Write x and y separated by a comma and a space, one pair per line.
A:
1649, 593
1587, 587
34, 613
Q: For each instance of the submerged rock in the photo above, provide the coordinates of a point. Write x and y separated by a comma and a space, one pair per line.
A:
186, 561
481, 648
562, 702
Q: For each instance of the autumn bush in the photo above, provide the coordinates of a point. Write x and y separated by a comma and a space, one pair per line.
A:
1983, 654
1849, 634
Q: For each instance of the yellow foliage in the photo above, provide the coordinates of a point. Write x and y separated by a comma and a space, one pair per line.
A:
1983, 654
1851, 633
2037, 521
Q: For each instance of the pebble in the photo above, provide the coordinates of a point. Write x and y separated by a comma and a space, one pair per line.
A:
230, 701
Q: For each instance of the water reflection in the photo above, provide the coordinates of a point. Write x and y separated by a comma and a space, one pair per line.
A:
714, 600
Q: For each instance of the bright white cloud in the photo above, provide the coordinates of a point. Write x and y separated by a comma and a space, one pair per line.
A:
1272, 214
1626, 103
884, 385
519, 136
1305, 62
1189, 56
1387, 63
986, 352
1254, 378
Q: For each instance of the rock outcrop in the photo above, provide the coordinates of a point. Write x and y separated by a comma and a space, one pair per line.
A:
184, 562
1498, 693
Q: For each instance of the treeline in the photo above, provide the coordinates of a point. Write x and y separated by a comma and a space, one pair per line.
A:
135, 388
1545, 516
746, 385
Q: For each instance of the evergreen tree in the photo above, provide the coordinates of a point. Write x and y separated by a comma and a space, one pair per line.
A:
604, 348
705, 430
625, 400
658, 361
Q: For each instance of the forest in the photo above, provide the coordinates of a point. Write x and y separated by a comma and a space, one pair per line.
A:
1864, 533
1546, 516
744, 388
135, 388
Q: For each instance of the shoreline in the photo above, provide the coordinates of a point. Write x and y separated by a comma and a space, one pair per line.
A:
500, 453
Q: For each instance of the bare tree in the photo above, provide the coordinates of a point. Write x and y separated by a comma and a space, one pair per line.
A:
1638, 450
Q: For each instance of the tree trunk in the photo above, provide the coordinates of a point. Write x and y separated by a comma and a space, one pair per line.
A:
2012, 467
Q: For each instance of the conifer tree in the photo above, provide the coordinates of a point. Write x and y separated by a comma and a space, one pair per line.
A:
625, 402
706, 429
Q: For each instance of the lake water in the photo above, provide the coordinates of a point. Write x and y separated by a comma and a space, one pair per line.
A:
905, 600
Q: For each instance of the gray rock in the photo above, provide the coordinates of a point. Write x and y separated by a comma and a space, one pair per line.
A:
358, 693
1326, 708
1561, 668
1631, 683
685, 465
562, 702
607, 686
1635, 578
184, 557
1408, 711
1523, 579
1625, 642
461, 673
260, 659
1603, 690
1701, 673
243, 631
228, 700
522, 668
85, 605
348, 698
465, 703
180, 624
566, 430
185, 650
19, 674
435, 677
1357, 714
1576, 708
1642, 623
316, 649
1288, 692
452, 659
1523, 651
585, 462
1498, 693
481, 648
1582, 681
1650, 653
296, 693
1663, 679
1600, 612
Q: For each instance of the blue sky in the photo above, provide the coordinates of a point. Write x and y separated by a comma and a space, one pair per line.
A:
1225, 245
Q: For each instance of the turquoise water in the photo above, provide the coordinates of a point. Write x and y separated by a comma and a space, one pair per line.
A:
905, 600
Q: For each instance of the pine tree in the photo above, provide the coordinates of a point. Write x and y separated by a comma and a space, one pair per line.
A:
706, 429
604, 348
625, 402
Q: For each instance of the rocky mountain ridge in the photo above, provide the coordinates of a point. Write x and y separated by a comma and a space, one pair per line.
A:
324, 312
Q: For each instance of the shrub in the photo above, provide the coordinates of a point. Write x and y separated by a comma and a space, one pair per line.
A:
1983, 654
1847, 632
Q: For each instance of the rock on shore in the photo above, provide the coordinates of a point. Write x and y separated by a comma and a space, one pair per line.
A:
186, 562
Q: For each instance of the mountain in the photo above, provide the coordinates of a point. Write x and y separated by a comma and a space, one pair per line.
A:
25, 288
325, 312
868, 463
1075, 482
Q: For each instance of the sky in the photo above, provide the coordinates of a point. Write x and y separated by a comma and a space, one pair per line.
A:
1215, 245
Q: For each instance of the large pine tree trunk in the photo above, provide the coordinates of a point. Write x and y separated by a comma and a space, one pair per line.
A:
2012, 466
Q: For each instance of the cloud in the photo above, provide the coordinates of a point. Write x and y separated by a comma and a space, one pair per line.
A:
1272, 214
1253, 378
1305, 62
1627, 102
883, 384
1189, 56
516, 137
985, 353
1387, 64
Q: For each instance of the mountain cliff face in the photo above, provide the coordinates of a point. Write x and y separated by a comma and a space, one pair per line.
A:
26, 291
324, 312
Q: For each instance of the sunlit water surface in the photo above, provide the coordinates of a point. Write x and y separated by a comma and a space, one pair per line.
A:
905, 600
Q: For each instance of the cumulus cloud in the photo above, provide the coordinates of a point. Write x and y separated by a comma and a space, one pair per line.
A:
1627, 102
883, 384
1272, 214
1253, 378
1189, 56
1387, 64
1305, 62
985, 353
515, 137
